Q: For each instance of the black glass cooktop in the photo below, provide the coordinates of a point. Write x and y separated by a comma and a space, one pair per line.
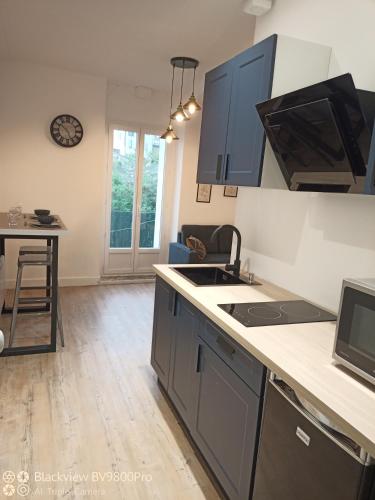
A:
276, 313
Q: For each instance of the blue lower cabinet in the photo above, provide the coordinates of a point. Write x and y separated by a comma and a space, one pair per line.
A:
184, 359
174, 347
226, 423
215, 385
162, 335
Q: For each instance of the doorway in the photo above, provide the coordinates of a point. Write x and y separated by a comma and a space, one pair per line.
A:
135, 193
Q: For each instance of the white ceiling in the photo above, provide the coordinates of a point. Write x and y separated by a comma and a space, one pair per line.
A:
128, 41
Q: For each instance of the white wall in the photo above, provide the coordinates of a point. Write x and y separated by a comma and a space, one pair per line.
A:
220, 210
308, 242
123, 105
37, 173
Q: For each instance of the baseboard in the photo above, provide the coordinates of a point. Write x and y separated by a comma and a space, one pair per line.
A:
63, 281
127, 279
87, 280
79, 281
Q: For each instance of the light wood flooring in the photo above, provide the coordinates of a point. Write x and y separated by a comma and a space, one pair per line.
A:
95, 407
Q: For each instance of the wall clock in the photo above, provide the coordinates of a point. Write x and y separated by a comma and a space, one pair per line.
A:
66, 131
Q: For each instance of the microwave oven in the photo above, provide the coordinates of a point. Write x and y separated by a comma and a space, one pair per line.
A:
355, 329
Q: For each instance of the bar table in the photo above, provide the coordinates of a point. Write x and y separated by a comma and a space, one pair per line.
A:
26, 230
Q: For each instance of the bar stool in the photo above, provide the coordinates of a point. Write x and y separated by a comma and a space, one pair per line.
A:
31, 256
38, 249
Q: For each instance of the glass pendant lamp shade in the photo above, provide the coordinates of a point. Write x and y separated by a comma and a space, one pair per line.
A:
169, 135
192, 105
180, 114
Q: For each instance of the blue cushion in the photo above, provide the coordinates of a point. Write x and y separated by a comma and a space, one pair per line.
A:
222, 243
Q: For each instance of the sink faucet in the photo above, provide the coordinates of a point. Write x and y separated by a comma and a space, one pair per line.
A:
237, 263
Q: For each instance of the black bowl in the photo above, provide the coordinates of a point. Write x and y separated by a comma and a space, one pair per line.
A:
46, 219
41, 211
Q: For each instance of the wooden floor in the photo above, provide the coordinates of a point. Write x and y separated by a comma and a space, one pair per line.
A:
95, 407
31, 329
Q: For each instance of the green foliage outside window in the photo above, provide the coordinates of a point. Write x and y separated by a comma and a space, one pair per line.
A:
123, 181
123, 185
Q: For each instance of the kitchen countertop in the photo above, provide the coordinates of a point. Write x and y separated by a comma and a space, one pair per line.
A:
301, 354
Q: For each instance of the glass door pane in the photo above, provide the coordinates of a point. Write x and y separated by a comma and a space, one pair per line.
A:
151, 191
124, 166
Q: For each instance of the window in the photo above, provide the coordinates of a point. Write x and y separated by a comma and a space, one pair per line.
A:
124, 162
152, 187
137, 187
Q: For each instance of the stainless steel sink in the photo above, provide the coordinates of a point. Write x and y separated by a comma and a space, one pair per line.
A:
210, 276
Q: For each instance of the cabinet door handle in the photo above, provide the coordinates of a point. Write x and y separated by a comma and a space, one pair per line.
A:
226, 167
198, 367
225, 346
218, 166
172, 302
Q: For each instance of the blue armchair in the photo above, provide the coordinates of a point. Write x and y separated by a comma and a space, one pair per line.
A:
218, 250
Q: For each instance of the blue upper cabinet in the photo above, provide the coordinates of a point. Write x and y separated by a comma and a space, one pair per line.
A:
232, 137
252, 83
216, 103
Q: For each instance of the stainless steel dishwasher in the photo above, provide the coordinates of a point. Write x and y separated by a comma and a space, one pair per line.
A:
302, 456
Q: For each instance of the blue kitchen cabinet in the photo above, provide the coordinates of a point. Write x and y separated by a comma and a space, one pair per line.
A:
214, 130
174, 351
228, 404
164, 312
232, 137
184, 358
214, 384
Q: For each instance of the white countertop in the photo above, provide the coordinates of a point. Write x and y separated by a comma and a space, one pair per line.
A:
24, 227
301, 354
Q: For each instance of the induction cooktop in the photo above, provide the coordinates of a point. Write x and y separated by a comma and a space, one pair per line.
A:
276, 313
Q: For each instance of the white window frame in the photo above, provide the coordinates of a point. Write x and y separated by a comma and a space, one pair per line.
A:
137, 251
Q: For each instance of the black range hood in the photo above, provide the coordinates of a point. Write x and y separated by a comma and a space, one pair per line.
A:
321, 135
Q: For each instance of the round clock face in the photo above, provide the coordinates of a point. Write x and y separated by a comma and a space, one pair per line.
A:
66, 131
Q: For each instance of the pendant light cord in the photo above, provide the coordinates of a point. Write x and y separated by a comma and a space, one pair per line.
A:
194, 78
182, 81
170, 108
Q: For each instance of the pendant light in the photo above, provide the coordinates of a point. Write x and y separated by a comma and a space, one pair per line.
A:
170, 135
180, 115
192, 105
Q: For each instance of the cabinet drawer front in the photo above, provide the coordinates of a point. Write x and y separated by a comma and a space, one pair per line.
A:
244, 364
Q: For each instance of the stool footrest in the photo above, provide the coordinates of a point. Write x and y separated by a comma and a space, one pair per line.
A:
24, 263
35, 300
34, 249
36, 287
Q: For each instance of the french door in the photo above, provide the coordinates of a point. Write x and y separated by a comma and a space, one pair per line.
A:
135, 192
